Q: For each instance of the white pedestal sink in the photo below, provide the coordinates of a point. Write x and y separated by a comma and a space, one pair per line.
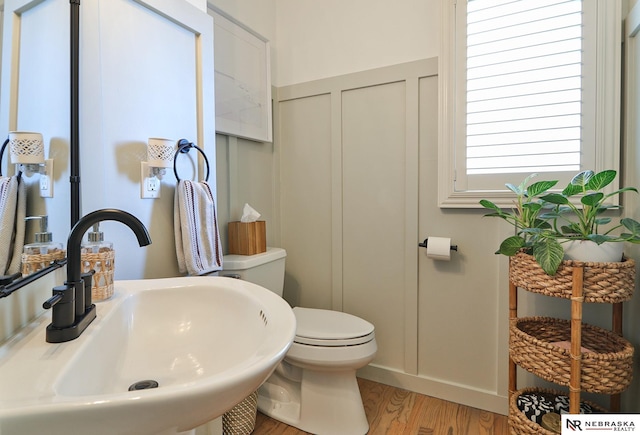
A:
207, 341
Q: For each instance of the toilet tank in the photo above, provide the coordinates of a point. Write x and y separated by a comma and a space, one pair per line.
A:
265, 269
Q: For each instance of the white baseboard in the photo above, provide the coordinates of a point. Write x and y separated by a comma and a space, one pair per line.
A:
481, 399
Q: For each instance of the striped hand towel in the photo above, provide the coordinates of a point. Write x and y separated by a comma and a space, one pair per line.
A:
13, 208
198, 246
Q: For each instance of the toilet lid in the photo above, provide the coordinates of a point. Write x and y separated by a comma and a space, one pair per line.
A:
330, 328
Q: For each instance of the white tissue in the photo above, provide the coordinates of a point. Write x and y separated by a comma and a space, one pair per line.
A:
439, 248
249, 214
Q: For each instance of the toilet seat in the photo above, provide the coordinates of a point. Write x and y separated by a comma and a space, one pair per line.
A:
316, 327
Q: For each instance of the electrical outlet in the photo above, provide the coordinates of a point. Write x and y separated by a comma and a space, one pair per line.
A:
149, 186
153, 184
46, 180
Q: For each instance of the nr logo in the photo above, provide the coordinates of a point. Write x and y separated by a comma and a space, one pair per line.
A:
574, 425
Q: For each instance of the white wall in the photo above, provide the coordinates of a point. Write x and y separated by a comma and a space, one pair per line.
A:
200, 4
319, 39
259, 15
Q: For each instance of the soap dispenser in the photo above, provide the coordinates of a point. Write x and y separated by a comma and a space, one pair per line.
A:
40, 254
98, 255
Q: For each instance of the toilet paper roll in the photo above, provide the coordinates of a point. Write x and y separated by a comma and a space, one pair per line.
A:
439, 248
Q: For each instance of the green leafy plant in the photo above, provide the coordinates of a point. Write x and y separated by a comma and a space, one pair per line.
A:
584, 221
533, 233
543, 220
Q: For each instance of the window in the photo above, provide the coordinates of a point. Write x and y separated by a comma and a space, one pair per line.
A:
527, 86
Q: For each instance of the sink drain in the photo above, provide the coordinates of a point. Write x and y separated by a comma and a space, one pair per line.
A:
143, 385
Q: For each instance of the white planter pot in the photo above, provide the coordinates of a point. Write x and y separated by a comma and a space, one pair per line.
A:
586, 250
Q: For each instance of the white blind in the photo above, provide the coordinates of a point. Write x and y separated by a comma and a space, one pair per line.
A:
524, 86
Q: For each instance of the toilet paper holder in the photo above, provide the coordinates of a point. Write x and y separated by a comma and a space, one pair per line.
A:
424, 245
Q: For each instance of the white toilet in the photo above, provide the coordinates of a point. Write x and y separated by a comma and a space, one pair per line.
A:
315, 387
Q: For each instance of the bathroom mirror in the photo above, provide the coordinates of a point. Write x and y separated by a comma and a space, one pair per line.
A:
34, 96
130, 50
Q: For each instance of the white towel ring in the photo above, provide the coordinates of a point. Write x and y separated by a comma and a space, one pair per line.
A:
184, 146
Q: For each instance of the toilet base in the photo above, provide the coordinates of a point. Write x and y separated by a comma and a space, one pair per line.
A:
316, 402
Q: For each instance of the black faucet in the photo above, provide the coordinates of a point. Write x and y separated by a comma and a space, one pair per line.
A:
72, 307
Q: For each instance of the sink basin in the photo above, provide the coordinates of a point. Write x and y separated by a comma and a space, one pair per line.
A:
208, 342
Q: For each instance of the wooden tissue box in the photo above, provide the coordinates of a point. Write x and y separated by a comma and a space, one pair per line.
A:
247, 238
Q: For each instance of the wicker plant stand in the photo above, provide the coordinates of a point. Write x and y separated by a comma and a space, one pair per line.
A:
519, 423
570, 353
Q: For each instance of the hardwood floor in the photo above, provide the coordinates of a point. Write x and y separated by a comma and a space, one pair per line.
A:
394, 411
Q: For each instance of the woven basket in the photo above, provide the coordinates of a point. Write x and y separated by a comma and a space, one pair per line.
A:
103, 263
606, 369
241, 419
35, 262
520, 424
602, 282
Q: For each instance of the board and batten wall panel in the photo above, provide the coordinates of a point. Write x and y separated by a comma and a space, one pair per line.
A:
245, 175
373, 153
254, 178
441, 327
224, 182
306, 201
458, 297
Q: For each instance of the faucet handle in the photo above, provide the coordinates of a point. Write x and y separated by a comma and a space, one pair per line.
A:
59, 293
62, 303
87, 278
49, 303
